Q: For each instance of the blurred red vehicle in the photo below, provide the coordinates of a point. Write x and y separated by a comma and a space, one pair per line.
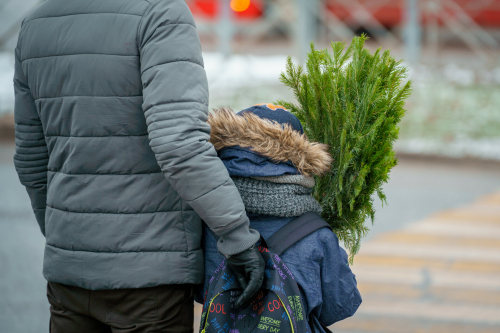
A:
209, 9
388, 12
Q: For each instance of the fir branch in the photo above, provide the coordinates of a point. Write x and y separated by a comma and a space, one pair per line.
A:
353, 107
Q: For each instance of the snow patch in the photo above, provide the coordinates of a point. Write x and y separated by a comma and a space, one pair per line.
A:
455, 74
238, 71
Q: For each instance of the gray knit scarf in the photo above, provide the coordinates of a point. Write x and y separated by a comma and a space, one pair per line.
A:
290, 179
275, 199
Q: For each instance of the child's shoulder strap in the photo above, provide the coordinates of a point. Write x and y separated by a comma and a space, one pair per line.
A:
295, 231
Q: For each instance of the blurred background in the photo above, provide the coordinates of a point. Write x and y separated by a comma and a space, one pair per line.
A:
431, 262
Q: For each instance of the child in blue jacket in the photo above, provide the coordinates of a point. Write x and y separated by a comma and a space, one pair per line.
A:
271, 162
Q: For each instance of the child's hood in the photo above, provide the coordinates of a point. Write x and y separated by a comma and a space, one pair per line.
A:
277, 140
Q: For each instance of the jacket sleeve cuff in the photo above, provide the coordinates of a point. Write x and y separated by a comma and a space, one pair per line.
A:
237, 237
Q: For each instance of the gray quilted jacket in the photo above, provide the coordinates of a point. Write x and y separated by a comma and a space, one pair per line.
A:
112, 144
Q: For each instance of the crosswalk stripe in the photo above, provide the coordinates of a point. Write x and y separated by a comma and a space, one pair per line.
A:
433, 252
468, 216
492, 199
455, 230
457, 265
417, 238
436, 293
426, 277
438, 311
467, 219
479, 208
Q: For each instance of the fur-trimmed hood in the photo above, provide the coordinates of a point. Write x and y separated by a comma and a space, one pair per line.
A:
278, 142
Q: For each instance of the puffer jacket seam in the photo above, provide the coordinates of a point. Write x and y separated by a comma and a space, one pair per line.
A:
42, 175
171, 118
28, 125
103, 174
183, 115
122, 213
27, 140
174, 102
75, 14
171, 62
183, 102
29, 131
92, 136
36, 157
74, 54
142, 251
166, 136
93, 96
177, 109
30, 134
176, 23
42, 145
28, 164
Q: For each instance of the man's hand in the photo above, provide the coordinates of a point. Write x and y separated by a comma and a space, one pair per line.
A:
248, 266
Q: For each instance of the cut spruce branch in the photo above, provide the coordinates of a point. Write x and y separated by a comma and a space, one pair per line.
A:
351, 100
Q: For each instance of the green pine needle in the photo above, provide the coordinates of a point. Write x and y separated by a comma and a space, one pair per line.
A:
353, 107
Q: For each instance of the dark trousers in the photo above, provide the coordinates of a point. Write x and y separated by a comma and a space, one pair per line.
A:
153, 310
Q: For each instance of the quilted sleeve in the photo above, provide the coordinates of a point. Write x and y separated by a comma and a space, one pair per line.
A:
31, 157
175, 92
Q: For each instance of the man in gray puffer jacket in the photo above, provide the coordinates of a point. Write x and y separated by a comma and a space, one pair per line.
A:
112, 146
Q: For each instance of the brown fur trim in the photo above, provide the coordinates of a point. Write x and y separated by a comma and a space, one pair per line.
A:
268, 138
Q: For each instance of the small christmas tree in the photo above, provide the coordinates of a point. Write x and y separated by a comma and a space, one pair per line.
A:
353, 107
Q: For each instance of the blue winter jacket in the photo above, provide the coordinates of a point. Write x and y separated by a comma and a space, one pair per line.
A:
319, 266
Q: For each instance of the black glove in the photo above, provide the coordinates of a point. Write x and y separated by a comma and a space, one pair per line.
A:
248, 266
